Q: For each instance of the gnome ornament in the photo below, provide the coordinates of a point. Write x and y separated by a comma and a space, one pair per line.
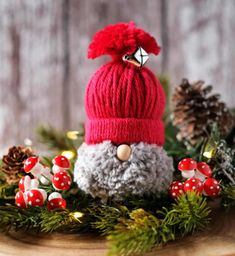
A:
124, 133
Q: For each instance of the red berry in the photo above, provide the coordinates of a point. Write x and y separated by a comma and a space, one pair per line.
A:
193, 184
61, 180
176, 189
211, 187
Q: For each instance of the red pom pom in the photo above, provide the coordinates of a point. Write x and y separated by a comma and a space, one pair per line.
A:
120, 39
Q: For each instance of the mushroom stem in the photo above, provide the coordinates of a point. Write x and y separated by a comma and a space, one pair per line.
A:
56, 168
37, 170
200, 176
188, 174
46, 179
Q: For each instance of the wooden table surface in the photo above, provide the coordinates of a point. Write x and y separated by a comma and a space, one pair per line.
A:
218, 240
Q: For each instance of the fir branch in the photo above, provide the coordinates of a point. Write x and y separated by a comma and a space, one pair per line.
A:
139, 234
12, 217
106, 217
66, 221
7, 191
143, 231
177, 149
228, 196
189, 213
57, 140
55, 220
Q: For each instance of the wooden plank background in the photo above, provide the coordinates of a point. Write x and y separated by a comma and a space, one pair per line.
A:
43, 43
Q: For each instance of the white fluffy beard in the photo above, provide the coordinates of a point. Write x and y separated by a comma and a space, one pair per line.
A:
100, 173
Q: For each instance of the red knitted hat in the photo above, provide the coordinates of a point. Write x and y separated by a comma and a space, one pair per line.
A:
124, 103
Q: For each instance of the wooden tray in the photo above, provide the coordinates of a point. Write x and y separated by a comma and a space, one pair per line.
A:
218, 240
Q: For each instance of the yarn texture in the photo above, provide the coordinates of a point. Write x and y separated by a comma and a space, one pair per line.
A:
99, 172
124, 104
119, 39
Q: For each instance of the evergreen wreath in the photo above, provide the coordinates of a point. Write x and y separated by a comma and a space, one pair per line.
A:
138, 223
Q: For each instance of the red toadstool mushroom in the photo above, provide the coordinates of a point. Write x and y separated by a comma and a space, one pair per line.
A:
33, 166
187, 167
61, 180
26, 183
176, 189
203, 171
36, 197
60, 163
55, 201
21, 200
193, 184
211, 187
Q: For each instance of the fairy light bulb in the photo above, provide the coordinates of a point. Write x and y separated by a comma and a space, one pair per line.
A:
68, 153
72, 135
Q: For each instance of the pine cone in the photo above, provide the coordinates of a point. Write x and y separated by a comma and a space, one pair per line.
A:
13, 163
196, 110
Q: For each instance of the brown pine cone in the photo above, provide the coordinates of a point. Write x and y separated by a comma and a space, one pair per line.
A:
196, 110
13, 163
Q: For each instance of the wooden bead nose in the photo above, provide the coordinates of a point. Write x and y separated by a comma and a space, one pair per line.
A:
123, 152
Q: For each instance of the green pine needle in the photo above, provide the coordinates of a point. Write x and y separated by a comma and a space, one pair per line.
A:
52, 221
12, 217
228, 196
57, 140
7, 191
191, 212
106, 217
143, 231
139, 234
